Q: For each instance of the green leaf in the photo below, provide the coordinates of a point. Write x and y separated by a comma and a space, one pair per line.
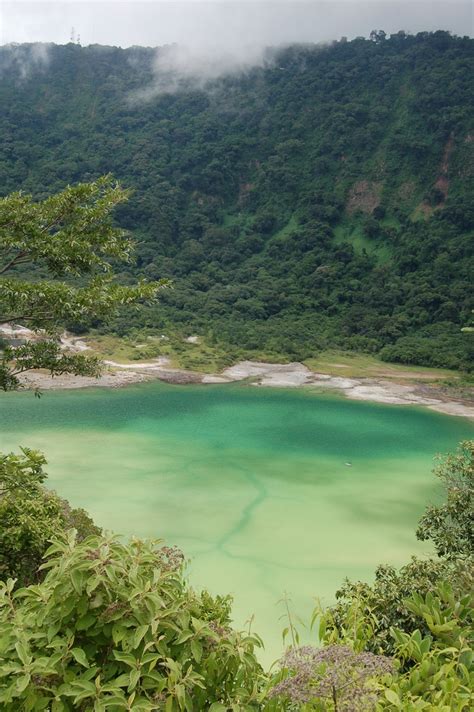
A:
134, 678
198, 625
80, 656
393, 698
184, 636
53, 630
23, 682
126, 658
22, 651
180, 695
86, 621
196, 649
140, 633
76, 578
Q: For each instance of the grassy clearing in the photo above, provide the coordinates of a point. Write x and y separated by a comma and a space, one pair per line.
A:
143, 347
197, 357
207, 358
291, 225
354, 234
354, 365
111, 347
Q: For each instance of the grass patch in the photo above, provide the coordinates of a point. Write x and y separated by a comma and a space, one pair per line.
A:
354, 365
354, 235
291, 225
211, 358
144, 347
110, 347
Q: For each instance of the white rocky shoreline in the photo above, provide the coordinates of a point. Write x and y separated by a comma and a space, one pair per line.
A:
291, 375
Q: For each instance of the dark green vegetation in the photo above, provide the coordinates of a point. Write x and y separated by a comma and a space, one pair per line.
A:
324, 200
116, 627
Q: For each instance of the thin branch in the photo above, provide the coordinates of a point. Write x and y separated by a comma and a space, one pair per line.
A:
14, 261
9, 319
26, 317
22, 370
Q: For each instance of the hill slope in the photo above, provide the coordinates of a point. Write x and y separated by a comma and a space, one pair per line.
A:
325, 200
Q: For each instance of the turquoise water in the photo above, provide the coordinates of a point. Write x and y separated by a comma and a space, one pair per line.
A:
252, 483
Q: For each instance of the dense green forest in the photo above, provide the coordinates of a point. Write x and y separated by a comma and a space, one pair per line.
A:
324, 200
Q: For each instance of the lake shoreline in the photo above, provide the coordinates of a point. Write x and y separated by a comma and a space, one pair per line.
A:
292, 375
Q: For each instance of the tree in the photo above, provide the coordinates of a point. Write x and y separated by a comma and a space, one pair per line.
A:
69, 236
451, 525
31, 515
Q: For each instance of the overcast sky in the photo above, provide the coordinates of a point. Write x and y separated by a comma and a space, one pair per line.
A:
200, 23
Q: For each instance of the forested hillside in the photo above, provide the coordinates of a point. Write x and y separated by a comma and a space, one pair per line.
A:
324, 200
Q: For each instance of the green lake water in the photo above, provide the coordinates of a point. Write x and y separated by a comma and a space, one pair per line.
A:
251, 483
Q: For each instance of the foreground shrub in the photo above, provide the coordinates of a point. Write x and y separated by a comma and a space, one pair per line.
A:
382, 605
432, 671
451, 525
439, 667
115, 627
31, 515
333, 677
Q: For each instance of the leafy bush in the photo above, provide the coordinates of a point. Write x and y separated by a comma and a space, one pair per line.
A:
432, 665
30, 515
451, 525
114, 627
439, 666
382, 604
445, 351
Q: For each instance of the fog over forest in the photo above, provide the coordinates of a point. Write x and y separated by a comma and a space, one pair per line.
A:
221, 36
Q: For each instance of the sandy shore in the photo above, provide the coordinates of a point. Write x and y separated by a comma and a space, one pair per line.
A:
291, 375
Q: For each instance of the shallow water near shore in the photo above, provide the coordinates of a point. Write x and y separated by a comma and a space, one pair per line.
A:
267, 491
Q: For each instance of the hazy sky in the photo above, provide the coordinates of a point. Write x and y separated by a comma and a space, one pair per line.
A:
200, 23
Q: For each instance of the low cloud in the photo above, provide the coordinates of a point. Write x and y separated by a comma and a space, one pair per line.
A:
183, 67
206, 40
24, 60
201, 40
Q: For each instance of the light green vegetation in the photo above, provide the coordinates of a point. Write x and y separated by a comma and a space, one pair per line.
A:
112, 347
251, 483
291, 225
212, 358
354, 365
353, 233
144, 346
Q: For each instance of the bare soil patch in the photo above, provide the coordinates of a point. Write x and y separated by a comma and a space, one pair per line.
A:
364, 195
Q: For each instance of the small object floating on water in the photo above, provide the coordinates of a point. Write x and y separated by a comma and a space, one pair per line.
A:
349, 464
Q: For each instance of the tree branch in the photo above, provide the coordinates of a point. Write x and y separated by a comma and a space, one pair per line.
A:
25, 317
15, 260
